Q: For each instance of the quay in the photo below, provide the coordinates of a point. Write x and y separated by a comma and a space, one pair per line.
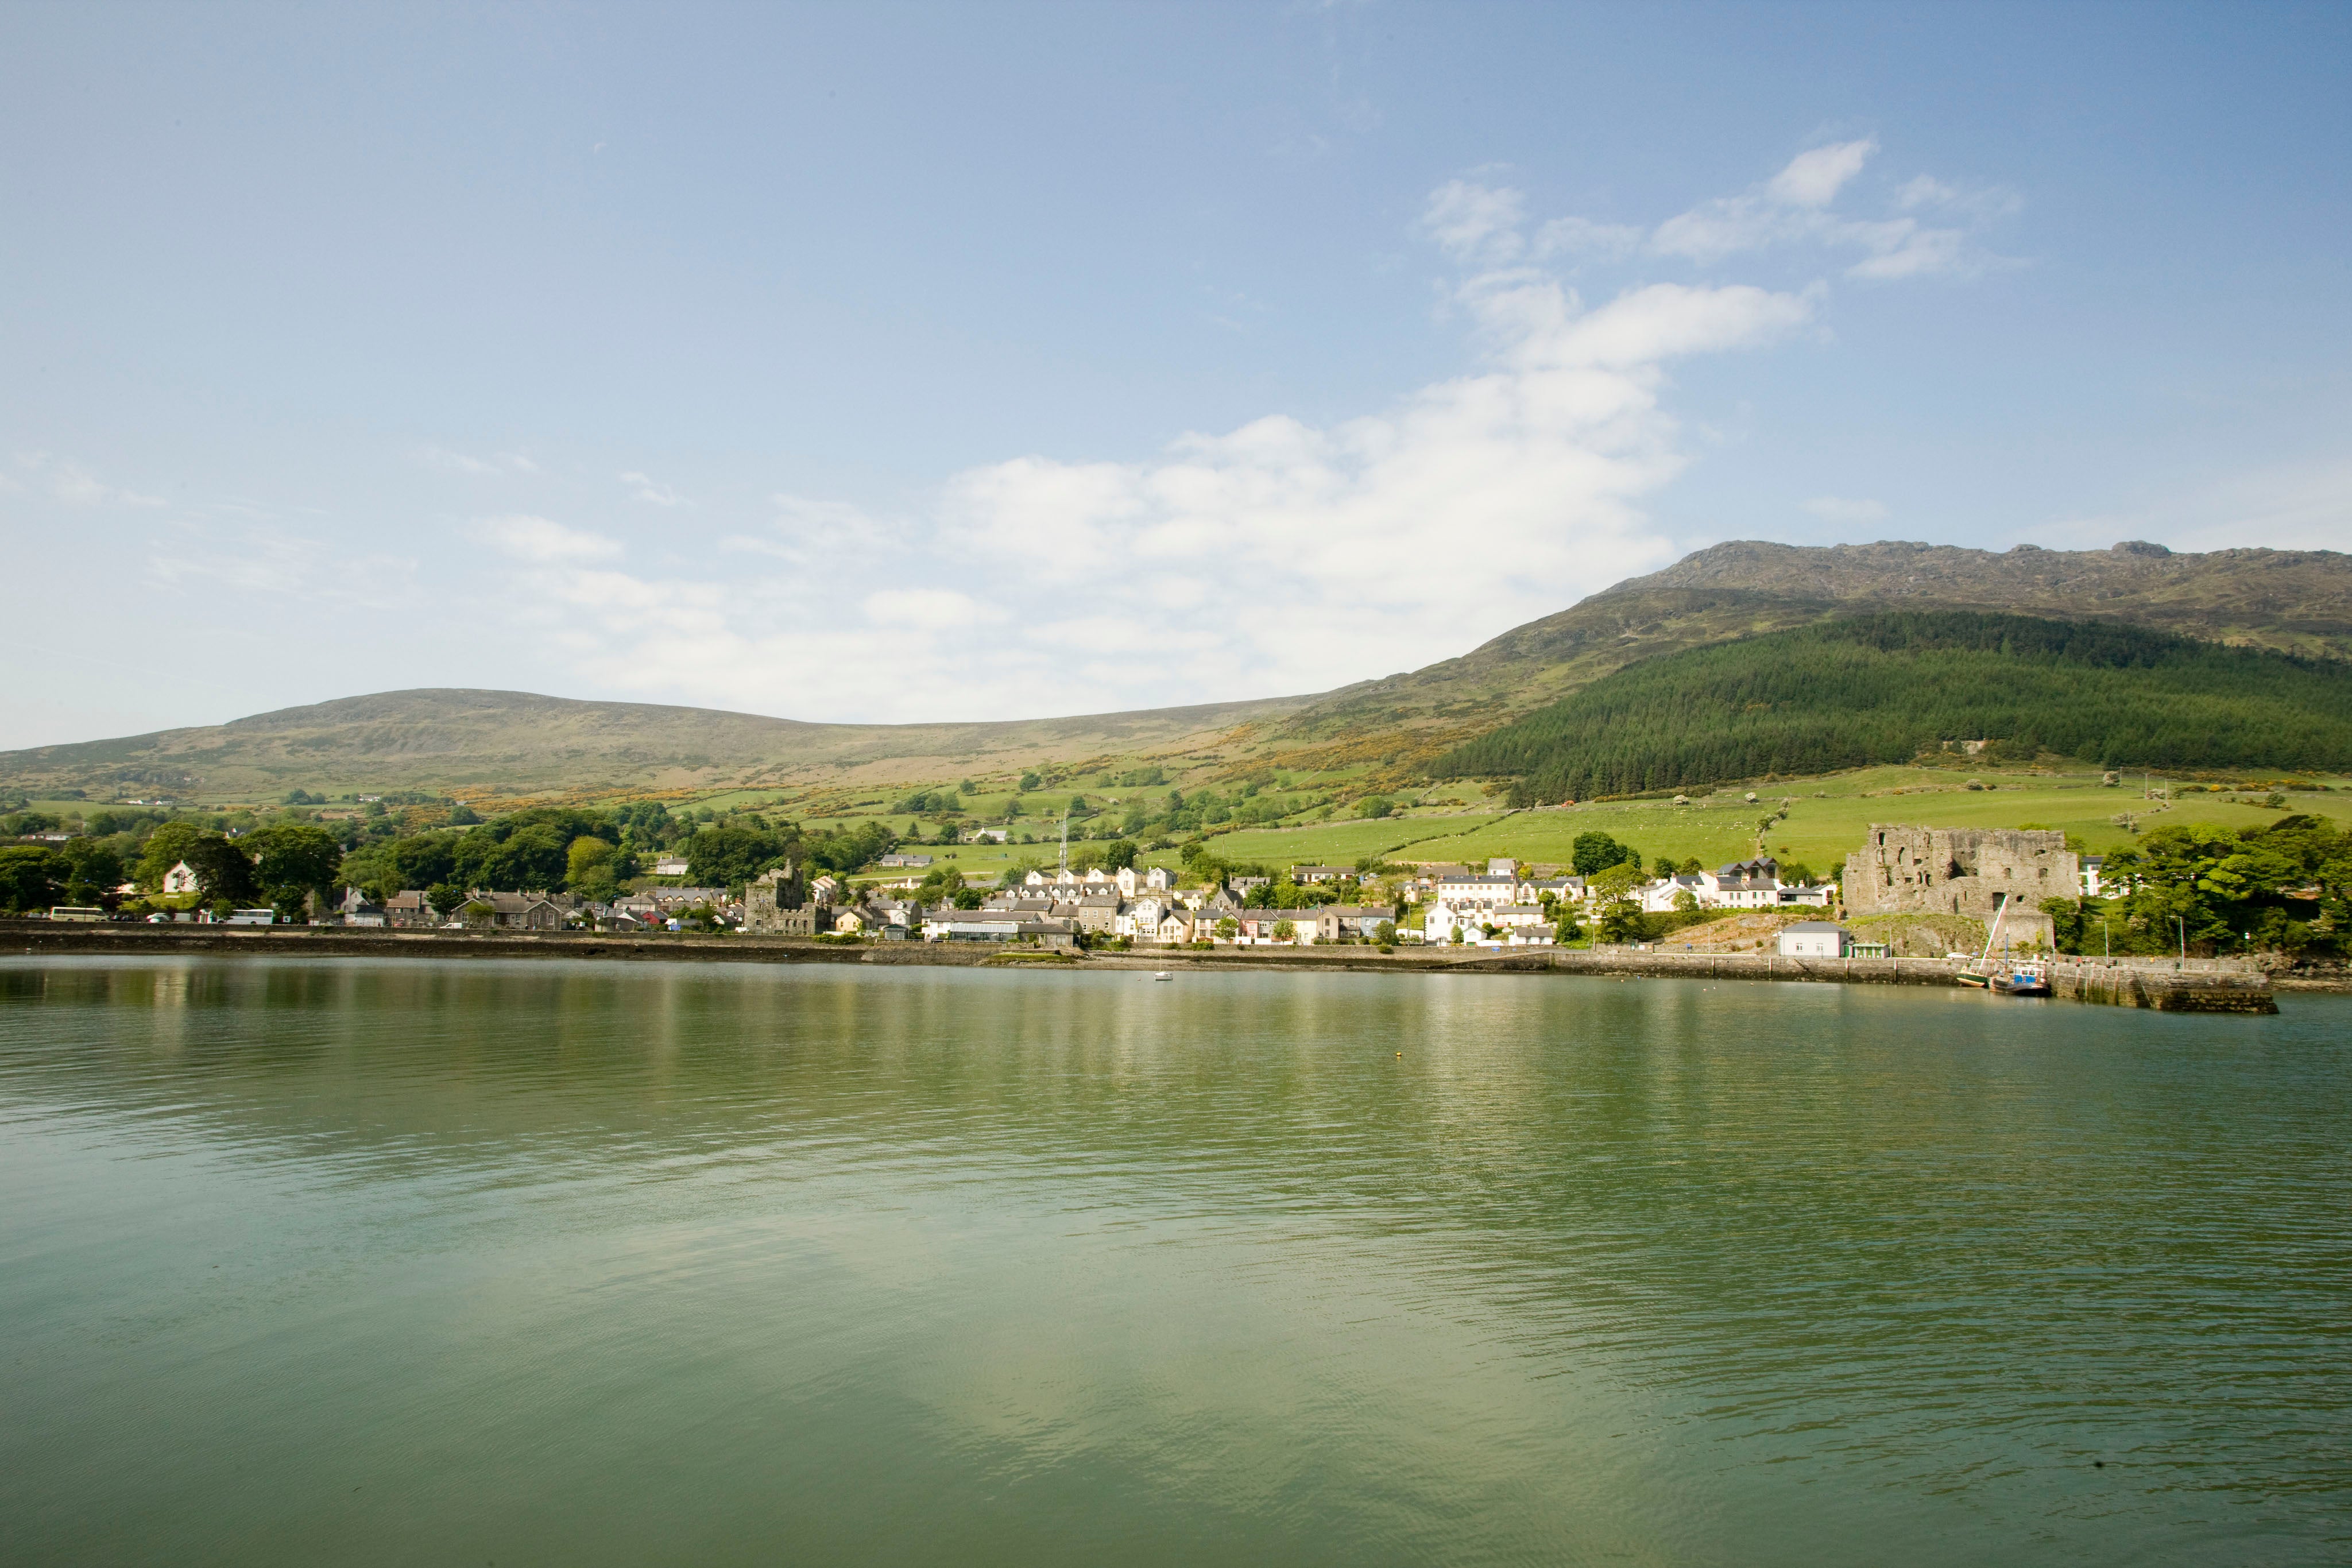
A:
2202, 986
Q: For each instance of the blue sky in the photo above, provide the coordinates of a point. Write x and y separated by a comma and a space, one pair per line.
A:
983, 362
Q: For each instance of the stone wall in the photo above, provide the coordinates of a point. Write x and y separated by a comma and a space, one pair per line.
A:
1964, 870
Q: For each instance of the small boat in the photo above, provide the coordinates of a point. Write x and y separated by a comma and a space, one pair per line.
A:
1981, 976
1163, 975
2023, 983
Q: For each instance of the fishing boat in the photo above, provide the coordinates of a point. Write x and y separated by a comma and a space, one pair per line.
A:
2019, 981
1981, 976
1163, 975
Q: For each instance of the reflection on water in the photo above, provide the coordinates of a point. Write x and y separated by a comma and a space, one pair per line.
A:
566, 1262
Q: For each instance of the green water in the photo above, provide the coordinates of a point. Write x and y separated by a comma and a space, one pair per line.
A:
576, 1263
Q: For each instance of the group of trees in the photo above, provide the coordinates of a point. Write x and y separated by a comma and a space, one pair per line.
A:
1873, 689
288, 857
284, 861
539, 847
2285, 887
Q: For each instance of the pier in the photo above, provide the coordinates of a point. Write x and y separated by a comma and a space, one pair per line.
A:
2206, 985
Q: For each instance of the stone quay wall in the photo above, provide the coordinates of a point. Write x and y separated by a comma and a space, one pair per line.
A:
2161, 987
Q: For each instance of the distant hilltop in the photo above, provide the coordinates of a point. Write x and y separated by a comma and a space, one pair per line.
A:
2289, 601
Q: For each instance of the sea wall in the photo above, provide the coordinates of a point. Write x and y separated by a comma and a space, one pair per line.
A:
2206, 987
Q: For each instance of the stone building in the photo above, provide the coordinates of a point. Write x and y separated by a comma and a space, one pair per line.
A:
1964, 870
776, 903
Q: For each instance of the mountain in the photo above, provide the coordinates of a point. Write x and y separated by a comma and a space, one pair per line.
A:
2296, 601
442, 739
1855, 691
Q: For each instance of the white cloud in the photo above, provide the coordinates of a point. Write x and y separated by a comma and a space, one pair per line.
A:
1584, 237
262, 560
502, 464
1846, 509
1794, 208
74, 486
1276, 557
1279, 556
642, 488
1475, 222
545, 542
1813, 179
927, 609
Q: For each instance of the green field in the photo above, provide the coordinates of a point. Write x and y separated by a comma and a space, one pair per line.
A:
1826, 822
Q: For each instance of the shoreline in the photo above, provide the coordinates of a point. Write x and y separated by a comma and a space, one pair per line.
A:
2090, 981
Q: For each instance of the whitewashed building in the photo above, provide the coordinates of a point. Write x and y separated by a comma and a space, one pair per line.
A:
1815, 939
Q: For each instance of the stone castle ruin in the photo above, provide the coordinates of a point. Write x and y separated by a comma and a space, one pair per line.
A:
1964, 870
776, 903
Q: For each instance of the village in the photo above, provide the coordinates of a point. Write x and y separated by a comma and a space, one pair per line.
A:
1973, 874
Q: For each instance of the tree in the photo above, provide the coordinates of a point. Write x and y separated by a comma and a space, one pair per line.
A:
166, 847
591, 869
730, 857
444, 896
1685, 901
223, 874
91, 864
1283, 931
1614, 882
1376, 807
291, 858
1229, 927
1621, 921
422, 861
1385, 933
1597, 852
29, 877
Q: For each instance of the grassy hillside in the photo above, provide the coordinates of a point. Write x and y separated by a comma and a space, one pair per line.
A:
2296, 601
1866, 690
475, 742
1825, 819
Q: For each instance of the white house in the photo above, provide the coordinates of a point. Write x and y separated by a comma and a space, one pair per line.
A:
1742, 884
2092, 868
181, 878
1515, 923
1458, 886
1658, 897
670, 865
1815, 939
